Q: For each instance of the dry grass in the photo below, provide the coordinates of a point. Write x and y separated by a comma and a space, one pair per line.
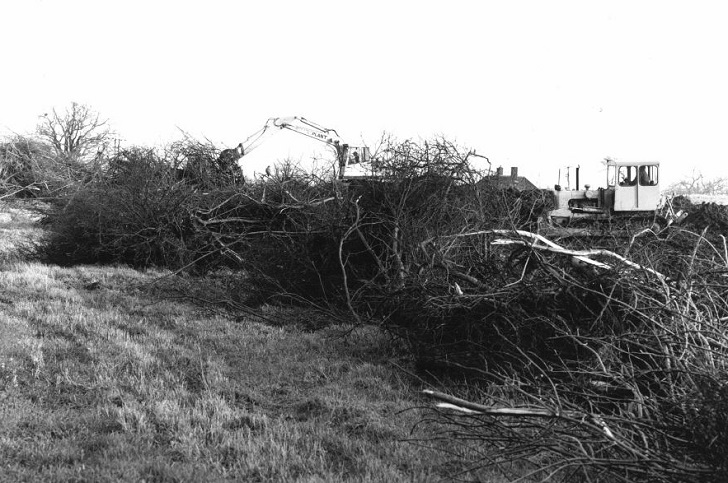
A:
102, 379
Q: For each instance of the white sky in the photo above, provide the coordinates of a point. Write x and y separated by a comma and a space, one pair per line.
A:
534, 84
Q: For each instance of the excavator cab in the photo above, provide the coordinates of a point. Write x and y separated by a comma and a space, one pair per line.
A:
350, 159
635, 184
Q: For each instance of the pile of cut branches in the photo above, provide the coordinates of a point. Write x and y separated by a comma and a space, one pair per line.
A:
351, 244
619, 340
283, 234
594, 365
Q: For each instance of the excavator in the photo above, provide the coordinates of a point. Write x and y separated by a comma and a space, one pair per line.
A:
346, 155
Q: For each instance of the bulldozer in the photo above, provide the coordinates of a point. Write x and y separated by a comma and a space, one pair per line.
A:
632, 191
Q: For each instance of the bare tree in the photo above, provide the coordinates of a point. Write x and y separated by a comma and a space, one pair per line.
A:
697, 184
79, 133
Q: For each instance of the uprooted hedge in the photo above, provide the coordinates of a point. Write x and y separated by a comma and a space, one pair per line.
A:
609, 347
620, 368
138, 210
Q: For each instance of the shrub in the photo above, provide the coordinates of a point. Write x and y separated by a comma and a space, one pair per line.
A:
137, 213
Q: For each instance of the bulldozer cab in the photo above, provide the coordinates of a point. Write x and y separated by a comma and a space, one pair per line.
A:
636, 185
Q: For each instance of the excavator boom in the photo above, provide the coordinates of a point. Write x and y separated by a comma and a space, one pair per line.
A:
345, 154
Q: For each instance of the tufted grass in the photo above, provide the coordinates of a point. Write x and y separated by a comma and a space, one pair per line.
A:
103, 378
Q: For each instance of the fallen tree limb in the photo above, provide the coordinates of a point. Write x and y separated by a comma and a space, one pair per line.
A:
550, 246
456, 403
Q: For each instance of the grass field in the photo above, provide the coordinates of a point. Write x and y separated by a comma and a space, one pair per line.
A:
104, 377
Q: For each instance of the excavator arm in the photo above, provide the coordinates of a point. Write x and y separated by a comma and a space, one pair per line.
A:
345, 154
307, 128
315, 131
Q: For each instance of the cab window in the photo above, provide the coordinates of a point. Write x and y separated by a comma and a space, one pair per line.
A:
611, 175
627, 175
648, 175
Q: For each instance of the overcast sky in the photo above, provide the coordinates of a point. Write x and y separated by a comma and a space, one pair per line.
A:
535, 84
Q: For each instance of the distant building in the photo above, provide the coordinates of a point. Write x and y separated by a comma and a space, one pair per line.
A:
513, 181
